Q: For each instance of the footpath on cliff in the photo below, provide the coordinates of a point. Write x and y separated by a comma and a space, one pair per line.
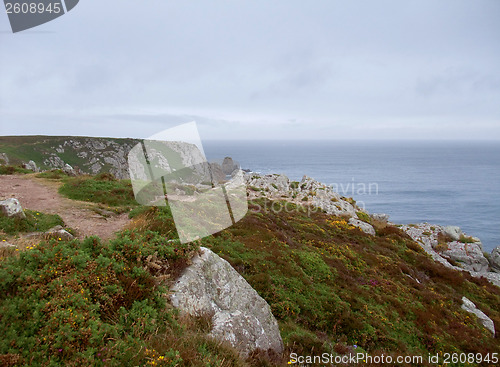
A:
42, 195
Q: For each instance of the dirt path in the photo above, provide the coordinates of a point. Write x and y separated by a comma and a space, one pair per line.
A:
42, 195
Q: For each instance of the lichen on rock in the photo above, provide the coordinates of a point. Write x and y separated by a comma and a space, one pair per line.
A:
211, 287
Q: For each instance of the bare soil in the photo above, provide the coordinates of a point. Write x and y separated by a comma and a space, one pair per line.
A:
42, 195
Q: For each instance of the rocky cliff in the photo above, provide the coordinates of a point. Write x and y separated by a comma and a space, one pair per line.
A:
84, 154
446, 245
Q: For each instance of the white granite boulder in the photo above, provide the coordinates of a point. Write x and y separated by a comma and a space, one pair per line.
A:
365, 227
11, 208
469, 306
211, 287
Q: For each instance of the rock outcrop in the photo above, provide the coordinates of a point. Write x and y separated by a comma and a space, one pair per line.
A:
306, 192
469, 256
210, 287
469, 306
439, 244
11, 208
84, 154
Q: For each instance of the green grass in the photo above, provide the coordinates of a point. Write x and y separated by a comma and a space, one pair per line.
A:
329, 285
103, 189
88, 303
34, 221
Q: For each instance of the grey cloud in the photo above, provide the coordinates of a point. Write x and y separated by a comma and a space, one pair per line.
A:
458, 81
333, 67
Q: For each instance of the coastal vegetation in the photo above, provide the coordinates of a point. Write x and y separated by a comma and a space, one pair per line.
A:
332, 288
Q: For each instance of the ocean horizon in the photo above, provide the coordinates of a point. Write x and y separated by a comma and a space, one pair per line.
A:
440, 182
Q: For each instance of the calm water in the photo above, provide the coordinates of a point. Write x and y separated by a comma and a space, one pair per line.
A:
448, 183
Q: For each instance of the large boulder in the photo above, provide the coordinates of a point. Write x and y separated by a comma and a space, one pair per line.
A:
210, 287
365, 227
11, 208
495, 259
469, 306
468, 256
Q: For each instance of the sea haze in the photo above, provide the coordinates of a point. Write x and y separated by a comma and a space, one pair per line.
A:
440, 182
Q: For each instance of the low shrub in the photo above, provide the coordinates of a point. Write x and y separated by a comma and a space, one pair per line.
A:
10, 170
55, 174
82, 303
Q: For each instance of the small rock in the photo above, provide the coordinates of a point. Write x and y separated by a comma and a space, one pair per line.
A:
365, 227
495, 259
59, 232
4, 244
56, 232
211, 287
4, 158
31, 165
454, 232
381, 217
11, 208
469, 306
69, 170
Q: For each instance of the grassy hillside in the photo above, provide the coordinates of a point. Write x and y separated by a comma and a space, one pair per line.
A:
332, 288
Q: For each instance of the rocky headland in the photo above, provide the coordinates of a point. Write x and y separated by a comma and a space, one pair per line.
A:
211, 287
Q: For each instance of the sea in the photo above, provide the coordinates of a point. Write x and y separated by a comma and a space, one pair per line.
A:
440, 182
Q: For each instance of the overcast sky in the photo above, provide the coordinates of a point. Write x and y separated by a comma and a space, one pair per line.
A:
289, 69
